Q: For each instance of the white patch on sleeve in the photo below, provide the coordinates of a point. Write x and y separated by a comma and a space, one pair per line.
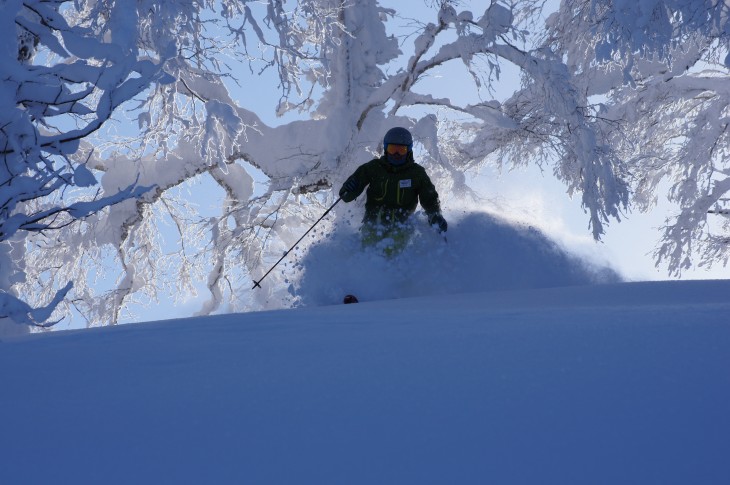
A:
405, 184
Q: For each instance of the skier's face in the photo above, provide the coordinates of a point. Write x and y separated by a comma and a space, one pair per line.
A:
396, 153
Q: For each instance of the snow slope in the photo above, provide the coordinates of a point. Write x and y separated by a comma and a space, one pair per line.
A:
624, 383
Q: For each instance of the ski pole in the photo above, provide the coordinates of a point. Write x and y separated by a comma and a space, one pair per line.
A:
258, 283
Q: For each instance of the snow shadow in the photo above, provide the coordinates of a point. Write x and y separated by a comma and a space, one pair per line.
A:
480, 253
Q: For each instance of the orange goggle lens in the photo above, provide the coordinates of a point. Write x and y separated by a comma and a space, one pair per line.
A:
396, 149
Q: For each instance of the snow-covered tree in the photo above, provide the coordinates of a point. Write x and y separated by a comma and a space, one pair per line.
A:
343, 80
657, 72
79, 65
46, 109
329, 57
350, 80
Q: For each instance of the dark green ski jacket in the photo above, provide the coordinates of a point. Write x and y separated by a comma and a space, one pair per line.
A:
393, 192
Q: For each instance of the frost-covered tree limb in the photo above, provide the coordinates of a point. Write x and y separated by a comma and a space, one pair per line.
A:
19, 312
661, 69
46, 109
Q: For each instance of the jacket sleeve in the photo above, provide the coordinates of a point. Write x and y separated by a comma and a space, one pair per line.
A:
361, 178
428, 196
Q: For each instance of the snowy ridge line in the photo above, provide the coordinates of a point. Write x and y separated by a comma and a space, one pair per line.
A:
636, 301
664, 293
625, 294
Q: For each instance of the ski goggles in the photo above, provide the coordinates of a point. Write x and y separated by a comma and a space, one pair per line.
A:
393, 149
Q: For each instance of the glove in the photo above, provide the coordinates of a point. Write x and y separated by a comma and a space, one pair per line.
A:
438, 220
350, 185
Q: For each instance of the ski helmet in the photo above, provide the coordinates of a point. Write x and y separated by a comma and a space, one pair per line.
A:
398, 136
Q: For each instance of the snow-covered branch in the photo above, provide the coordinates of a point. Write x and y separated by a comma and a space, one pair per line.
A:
45, 111
661, 71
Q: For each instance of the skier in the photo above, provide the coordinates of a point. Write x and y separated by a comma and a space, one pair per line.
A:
395, 184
